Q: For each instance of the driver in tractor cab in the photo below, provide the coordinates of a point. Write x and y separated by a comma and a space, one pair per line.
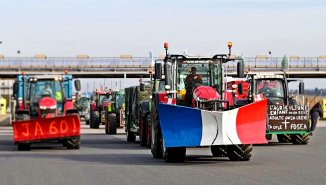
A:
47, 91
264, 89
191, 81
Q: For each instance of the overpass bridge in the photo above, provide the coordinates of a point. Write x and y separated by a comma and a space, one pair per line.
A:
136, 67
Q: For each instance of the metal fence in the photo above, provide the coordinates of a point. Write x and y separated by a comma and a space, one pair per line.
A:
143, 63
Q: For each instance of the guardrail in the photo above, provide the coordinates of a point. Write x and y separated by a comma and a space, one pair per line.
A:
142, 63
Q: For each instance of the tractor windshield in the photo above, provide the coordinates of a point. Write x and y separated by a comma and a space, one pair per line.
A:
191, 73
45, 88
104, 98
272, 89
83, 104
120, 99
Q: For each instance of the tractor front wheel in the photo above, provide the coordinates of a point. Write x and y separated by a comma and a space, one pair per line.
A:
174, 154
219, 151
300, 139
283, 138
72, 143
239, 152
156, 138
24, 146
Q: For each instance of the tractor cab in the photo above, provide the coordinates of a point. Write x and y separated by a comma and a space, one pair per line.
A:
45, 96
197, 81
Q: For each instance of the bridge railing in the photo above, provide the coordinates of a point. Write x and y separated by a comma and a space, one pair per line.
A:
145, 62
66, 62
276, 62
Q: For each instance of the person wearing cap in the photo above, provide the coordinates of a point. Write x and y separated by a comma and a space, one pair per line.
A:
264, 89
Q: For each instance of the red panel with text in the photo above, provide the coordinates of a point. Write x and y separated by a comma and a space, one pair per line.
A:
46, 128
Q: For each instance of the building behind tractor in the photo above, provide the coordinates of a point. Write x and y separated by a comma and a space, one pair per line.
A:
137, 112
45, 111
194, 113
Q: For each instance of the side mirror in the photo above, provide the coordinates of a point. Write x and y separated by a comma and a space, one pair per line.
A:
142, 87
301, 87
167, 73
240, 88
77, 85
240, 69
158, 71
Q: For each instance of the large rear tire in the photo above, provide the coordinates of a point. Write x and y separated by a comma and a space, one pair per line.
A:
239, 152
156, 137
284, 138
148, 131
175, 154
131, 136
110, 126
300, 139
143, 131
219, 151
24, 146
95, 120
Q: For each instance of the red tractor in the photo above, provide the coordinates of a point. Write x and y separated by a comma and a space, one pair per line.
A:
45, 111
191, 107
101, 99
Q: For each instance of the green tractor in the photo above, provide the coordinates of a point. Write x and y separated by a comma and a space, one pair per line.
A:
83, 106
115, 112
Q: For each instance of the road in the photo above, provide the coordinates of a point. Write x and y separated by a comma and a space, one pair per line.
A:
105, 159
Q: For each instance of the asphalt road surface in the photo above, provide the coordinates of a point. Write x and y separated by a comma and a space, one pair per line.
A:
105, 159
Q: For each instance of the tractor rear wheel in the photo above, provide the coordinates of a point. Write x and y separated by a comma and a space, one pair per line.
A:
219, 151
239, 152
148, 131
72, 143
300, 139
283, 138
95, 120
131, 137
110, 125
24, 146
156, 138
174, 154
269, 136
143, 131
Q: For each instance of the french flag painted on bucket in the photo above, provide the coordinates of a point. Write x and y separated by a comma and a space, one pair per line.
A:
190, 127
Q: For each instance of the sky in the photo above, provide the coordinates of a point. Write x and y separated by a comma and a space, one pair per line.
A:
110, 28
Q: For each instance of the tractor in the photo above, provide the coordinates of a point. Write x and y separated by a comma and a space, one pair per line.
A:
137, 111
99, 107
287, 119
195, 111
83, 106
115, 112
45, 111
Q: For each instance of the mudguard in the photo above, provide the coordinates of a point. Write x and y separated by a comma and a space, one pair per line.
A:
191, 127
46, 128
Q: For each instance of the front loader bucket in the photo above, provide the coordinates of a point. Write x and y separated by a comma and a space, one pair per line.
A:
46, 128
190, 127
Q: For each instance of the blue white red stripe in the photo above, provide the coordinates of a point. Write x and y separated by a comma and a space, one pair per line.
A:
191, 127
